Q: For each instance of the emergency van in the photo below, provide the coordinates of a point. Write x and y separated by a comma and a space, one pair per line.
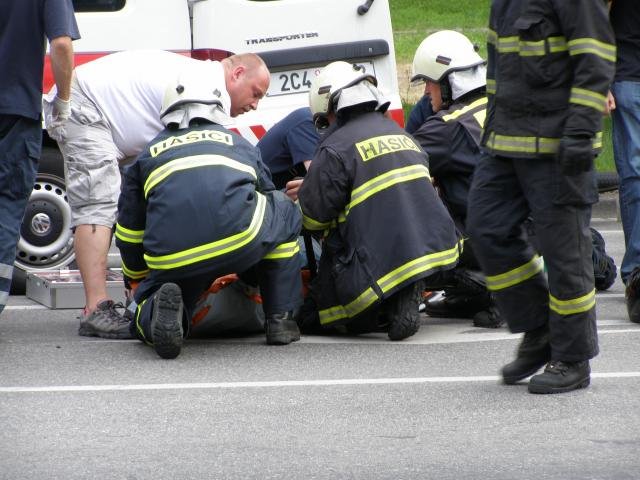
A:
296, 38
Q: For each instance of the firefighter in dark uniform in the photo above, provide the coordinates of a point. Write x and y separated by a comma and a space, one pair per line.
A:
369, 191
198, 204
455, 78
550, 64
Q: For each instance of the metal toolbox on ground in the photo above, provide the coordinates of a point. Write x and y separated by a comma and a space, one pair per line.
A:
64, 289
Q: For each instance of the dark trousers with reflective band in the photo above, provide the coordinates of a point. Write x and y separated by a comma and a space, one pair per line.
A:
279, 281
271, 261
20, 145
503, 193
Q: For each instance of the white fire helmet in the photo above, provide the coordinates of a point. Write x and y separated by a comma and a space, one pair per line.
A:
441, 53
195, 94
340, 85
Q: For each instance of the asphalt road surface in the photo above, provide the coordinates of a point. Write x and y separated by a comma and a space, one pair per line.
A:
431, 407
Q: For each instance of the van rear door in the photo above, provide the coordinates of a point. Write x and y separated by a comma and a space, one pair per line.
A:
108, 26
296, 38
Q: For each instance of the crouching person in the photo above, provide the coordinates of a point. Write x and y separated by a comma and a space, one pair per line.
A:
198, 204
369, 191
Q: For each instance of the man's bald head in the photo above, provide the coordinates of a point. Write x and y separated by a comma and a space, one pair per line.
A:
247, 79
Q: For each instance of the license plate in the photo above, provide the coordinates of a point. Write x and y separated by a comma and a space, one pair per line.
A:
299, 81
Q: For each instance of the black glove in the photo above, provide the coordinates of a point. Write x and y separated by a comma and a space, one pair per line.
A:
575, 155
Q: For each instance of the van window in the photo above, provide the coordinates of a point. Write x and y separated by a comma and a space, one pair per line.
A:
98, 5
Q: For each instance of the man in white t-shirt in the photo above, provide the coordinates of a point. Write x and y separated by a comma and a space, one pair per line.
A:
116, 112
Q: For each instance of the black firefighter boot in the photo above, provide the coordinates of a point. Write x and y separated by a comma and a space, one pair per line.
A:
281, 328
402, 311
632, 293
166, 321
560, 377
534, 351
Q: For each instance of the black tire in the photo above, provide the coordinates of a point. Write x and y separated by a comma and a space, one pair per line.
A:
607, 181
45, 240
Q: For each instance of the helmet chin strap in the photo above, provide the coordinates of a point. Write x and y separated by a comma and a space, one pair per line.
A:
321, 122
445, 92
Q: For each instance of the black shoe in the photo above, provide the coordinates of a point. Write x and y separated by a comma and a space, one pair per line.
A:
604, 267
561, 377
106, 322
281, 329
401, 312
489, 318
534, 351
374, 320
632, 295
454, 305
166, 321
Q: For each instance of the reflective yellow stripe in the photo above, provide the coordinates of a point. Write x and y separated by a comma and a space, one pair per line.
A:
310, 224
213, 249
138, 326
515, 276
384, 181
508, 44
508, 143
548, 145
597, 141
491, 86
134, 274
410, 269
129, 236
196, 161
530, 49
492, 37
453, 115
603, 50
284, 250
419, 265
340, 312
377, 146
542, 47
480, 117
574, 305
588, 98
533, 145
557, 44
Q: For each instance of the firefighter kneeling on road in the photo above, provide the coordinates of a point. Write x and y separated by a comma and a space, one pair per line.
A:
198, 204
369, 190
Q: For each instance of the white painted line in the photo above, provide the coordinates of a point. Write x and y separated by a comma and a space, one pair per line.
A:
610, 231
277, 383
25, 307
622, 330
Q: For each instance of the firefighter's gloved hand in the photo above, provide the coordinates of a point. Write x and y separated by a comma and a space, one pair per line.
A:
61, 109
575, 155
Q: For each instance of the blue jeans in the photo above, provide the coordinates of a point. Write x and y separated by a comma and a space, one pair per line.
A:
20, 146
626, 149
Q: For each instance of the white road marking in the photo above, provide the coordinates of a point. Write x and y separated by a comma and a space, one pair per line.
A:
277, 383
25, 307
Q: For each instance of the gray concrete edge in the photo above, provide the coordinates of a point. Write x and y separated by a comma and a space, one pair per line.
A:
608, 206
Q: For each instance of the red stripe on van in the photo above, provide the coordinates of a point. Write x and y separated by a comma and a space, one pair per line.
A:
258, 131
398, 116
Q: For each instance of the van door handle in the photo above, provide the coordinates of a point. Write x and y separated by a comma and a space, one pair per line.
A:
364, 8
